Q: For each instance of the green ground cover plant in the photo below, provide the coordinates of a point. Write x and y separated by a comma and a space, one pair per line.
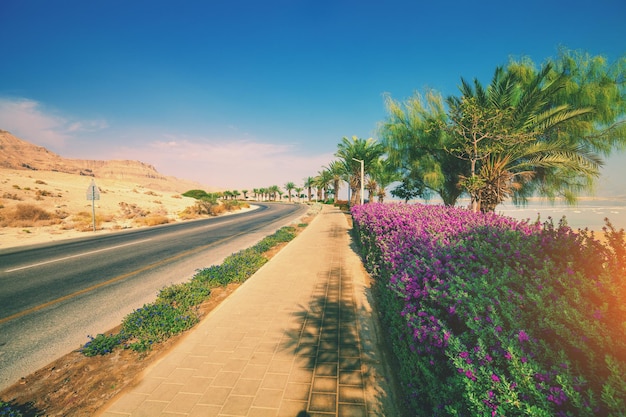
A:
176, 307
493, 317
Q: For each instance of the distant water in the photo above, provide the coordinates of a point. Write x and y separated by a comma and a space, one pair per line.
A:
586, 214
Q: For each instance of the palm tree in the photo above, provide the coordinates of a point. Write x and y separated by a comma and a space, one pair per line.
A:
351, 150
512, 134
289, 187
299, 192
371, 186
273, 191
245, 194
322, 181
338, 173
384, 174
309, 183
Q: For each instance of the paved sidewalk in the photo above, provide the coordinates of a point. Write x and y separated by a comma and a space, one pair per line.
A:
296, 340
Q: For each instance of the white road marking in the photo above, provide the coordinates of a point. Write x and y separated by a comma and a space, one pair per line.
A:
76, 256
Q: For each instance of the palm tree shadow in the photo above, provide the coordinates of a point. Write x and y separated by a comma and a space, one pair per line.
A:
334, 338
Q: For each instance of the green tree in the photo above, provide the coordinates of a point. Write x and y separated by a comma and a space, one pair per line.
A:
384, 174
273, 191
309, 183
289, 187
415, 138
519, 138
339, 173
366, 150
322, 182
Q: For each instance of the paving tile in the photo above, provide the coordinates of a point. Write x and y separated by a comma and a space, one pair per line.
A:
196, 385
351, 394
325, 403
235, 365
349, 364
261, 358
237, 405
246, 387
182, 403
203, 410
252, 371
268, 398
324, 384
180, 376
301, 375
326, 369
351, 378
166, 391
226, 379
193, 362
297, 391
280, 366
352, 410
262, 412
292, 409
275, 381
215, 396
208, 370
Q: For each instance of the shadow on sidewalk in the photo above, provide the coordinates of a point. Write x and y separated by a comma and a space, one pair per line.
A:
327, 339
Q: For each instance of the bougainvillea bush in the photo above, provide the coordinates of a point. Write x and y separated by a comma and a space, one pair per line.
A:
489, 316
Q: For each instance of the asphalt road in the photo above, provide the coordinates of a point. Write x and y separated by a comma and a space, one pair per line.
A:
52, 296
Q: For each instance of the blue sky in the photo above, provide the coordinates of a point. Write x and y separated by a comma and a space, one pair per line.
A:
242, 94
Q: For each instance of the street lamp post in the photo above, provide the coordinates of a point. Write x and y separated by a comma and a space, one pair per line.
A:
362, 178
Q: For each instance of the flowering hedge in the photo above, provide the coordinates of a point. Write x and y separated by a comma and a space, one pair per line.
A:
490, 316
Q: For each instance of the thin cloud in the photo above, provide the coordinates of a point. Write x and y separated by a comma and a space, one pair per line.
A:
29, 120
236, 164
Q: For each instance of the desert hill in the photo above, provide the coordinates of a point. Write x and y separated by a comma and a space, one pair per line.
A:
43, 196
18, 154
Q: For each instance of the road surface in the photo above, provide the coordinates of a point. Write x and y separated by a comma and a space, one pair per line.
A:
52, 296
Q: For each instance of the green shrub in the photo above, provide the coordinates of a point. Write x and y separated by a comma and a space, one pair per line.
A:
7, 410
155, 323
103, 344
185, 295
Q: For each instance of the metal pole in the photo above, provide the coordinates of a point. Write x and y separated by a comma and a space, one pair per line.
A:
93, 207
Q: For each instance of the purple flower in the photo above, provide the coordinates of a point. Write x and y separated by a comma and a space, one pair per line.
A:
495, 378
522, 336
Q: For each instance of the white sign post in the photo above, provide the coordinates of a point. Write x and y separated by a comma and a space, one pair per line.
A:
93, 194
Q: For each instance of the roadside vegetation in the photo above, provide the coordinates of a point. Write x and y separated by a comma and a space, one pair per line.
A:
488, 316
176, 307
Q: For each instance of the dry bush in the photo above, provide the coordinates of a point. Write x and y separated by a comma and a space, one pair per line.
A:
177, 196
29, 215
132, 211
217, 209
152, 193
83, 221
153, 220
45, 193
41, 182
12, 196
